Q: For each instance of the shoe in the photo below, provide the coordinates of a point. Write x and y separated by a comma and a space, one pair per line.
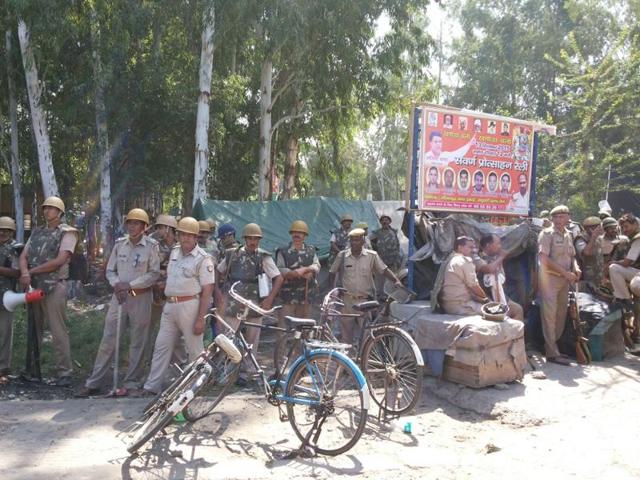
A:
63, 382
84, 392
559, 360
141, 392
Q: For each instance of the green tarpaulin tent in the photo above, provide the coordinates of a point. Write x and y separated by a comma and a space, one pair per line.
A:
321, 214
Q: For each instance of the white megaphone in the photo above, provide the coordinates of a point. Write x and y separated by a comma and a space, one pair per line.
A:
11, 299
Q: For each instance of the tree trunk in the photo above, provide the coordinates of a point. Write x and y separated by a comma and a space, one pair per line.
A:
38, 115
202, 118
290, 169
102, 142
266, 78
15, 152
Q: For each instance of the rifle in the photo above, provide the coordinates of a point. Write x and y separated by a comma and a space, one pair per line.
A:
583, 354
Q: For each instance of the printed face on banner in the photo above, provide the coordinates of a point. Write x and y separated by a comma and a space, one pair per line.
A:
479, 165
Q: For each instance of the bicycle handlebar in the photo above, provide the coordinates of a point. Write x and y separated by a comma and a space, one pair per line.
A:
248, 303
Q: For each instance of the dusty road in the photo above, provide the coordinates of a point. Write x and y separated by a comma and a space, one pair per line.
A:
578, 423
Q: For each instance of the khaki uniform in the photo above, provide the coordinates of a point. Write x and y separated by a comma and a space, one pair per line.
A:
355, 274
186, 275
139, 265
622, 276
44, 245
554, 289
179, 355
9, 259
515, 309
455, 295
244, 267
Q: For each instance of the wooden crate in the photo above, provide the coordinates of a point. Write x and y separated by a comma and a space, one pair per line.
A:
482, 367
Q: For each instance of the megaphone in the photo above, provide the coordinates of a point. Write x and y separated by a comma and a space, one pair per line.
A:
11, 300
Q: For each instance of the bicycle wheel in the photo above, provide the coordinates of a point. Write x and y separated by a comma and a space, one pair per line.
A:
393, 369
156, 415
336, 400
220, 382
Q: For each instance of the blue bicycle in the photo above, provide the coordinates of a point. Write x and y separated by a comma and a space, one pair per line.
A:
324, 395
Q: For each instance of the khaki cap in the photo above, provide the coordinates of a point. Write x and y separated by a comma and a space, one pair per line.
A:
384, 215
609, 222
54, 202
137, 214
204, 226
299, 226
362, 225
168, 220
212, 223
560, 209
357, 232
544, 213
188, 225
252, 230
7, 223
591, 221
346, 218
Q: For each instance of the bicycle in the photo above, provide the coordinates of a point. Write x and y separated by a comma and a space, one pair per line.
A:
388, 356
324, 391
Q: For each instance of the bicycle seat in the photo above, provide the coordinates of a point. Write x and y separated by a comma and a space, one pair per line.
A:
366, 306
295, 323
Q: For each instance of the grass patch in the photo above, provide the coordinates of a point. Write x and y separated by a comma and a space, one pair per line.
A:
85, 326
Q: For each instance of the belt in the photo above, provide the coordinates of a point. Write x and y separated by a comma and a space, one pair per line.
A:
357, 297
139, 291
183, 298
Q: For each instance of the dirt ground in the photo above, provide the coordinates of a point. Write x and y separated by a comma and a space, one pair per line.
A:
579, 422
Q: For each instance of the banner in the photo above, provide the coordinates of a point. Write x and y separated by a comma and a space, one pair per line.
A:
475, 163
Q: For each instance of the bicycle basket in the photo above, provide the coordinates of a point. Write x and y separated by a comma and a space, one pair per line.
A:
400, 294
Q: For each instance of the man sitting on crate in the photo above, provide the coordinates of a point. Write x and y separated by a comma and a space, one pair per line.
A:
622, 272
354, 268
460, 293
491, 272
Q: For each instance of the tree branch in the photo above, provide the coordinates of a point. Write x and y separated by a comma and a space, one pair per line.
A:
282, 90
286, 118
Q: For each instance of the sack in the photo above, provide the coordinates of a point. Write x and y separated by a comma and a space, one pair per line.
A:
264, 285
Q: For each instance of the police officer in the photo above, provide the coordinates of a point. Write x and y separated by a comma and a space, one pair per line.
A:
204, 240
190, 283
165, 234
354, 269
244, 264
589, 252
227, 237
44, 264
9, 272
558, 270
623, 271
385, 241
340, 237
132, 270
299, 265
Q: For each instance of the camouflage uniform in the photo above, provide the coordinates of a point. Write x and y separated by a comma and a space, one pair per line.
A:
244, 267
297, 294
341, 239
592, 266
44, 245
385, 242
8, 259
